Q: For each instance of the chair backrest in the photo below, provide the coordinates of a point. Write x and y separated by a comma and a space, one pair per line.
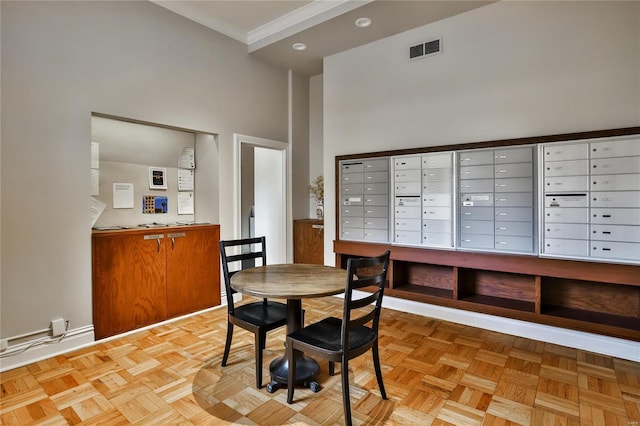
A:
364, 272
246, 251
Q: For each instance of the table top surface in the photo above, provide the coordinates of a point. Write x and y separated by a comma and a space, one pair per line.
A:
290, 281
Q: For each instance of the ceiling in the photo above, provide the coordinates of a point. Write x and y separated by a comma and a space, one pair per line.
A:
269, 27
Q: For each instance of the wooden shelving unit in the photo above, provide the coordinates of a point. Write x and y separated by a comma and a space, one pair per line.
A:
594, 297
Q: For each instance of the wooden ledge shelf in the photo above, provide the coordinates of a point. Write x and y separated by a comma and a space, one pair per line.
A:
501, 302
410, 289
594, 317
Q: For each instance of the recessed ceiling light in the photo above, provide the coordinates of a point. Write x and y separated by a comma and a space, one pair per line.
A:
363, 22
299, 46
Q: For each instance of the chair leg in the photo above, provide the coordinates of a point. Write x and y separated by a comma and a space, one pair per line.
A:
345, 391
260, 344
227, 345
291, 378
332, 368
376, 365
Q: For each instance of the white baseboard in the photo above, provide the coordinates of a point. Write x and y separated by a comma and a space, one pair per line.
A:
611, 346
76, 338
606, 345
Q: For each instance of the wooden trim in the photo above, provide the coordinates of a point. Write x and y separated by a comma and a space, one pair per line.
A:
143, 230
456, 283
538, 297
563, 137
612, 273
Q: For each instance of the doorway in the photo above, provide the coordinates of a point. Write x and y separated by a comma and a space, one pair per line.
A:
261, 185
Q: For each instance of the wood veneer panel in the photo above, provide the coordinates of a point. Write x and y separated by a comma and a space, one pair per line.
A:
308, 241
129, 285
496, 284
193, 265
422, 275
591, 296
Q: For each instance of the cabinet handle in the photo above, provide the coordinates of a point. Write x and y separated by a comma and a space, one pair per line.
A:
173, 237
156, 237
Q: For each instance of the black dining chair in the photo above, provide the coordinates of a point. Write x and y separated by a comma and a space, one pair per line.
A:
257, 317
339, 340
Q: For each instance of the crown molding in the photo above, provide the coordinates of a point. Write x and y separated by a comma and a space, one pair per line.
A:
208, 21
300, 19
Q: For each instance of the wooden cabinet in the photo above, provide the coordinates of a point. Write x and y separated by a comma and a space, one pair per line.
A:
143, 276
601, 298
308, 241
193, 259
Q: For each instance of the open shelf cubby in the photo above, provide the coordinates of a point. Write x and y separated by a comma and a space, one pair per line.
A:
425, 279
616, 305
500, 289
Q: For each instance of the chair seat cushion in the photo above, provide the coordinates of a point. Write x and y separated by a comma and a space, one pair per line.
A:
258, 313
326, 335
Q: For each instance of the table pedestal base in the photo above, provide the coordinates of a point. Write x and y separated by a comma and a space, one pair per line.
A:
306, 370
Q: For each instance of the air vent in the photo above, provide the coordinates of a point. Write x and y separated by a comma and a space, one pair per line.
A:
416, 51
425, 49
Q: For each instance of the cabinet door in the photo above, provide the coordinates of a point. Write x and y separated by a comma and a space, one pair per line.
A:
308, 241
193, 270
129, 289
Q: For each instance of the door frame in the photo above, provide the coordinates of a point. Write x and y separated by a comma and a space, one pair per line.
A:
283, 147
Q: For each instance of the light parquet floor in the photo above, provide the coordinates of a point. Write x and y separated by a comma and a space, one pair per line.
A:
435, 373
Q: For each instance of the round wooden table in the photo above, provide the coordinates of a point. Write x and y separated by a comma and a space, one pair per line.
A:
292, 282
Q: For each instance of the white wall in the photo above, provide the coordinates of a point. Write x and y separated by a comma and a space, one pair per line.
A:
299, 144
508, 70
316, 139
60, 62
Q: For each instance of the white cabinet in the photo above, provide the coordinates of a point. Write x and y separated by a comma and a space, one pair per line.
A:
592, 211
571, 199
364, 196
496, 201
423, 190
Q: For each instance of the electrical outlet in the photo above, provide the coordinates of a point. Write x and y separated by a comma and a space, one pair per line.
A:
57, 327
4, 344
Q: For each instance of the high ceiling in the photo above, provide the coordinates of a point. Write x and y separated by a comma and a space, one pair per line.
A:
269, 28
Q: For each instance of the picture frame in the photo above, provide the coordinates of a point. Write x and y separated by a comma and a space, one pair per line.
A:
157, 178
